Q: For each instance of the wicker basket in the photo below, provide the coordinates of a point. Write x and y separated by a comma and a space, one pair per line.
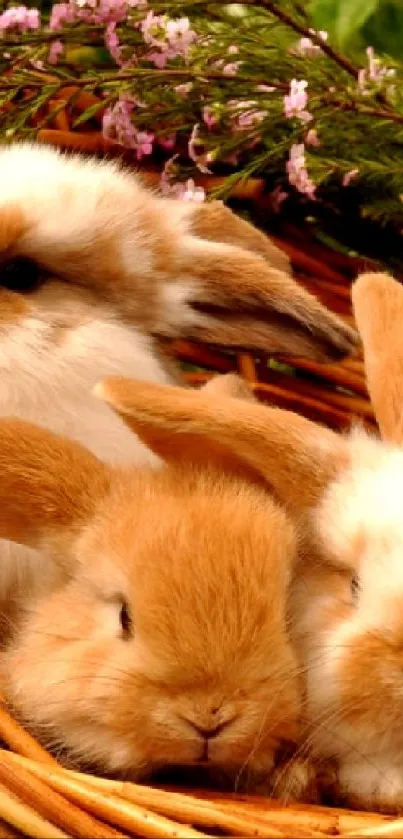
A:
38, 797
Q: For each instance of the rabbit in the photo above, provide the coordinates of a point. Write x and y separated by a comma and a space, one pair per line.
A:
95, 272
166, 644
344, 494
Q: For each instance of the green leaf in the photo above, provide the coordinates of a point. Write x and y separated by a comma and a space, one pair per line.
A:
89, 113
352, 14
384, 29
343, 19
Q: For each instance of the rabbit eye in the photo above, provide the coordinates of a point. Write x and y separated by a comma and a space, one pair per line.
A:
21, 275
125, 619
355, 589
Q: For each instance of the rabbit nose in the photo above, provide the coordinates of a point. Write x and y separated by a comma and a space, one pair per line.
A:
208, 732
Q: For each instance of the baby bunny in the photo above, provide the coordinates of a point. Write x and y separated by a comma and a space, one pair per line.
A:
347, 592
94, 270
166, 643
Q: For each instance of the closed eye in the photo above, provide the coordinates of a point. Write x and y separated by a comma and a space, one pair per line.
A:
355, 589
21, 275
126, 622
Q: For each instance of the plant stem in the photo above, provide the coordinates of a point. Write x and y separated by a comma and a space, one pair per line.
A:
98, 81
305, 32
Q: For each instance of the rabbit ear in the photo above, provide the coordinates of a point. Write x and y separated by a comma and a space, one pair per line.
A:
214, 221
378, 310
295, 457
229, 384
227, 295
49, 486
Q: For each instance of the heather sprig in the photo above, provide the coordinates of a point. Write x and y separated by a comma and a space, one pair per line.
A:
242, 90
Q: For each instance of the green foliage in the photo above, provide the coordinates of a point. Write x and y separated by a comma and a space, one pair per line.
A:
359, 124
356, 24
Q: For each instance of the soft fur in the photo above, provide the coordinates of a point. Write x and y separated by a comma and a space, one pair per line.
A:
202, 562
117, 269
346, 597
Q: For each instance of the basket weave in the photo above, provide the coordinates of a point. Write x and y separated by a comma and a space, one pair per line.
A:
38, 797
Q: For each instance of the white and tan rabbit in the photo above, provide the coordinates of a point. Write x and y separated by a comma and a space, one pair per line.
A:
94, 269
167, 643
347, 593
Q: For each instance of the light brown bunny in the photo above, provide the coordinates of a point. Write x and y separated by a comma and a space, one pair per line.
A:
94, 270
166, 643
347, 596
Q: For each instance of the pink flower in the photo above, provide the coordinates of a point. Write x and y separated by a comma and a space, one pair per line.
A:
376, 73
118, 126
232, 50
312, 138
61, 14
37, 63
96, 12
144, 141
296, 101
112, 42
187, 191
196, 150
168, 38
245, 114
167, 142
20, 18
209, 117
229, 69
193, 192
232, 68
183, 89
349, 176
276, 198
265, 88
307, 47
297, 172
55, 51
184, 191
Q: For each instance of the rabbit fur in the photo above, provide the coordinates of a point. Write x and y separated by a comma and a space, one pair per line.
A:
165, 641
345, 495
96, 271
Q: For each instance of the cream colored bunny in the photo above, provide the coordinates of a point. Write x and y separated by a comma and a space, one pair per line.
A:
94, 270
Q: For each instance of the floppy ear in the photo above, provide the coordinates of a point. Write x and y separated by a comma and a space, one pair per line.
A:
289, 319
220, 292
49, 486
229, 296
229, 384
297, 458
214, 221
378, 310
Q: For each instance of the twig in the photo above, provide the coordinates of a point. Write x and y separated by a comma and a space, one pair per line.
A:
26, 819
19, 740
171, 72
306, 33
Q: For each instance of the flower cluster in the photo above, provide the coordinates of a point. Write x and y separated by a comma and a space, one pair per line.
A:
20, 18
307, 47
375, 74
233, 93
296, 101
166, 38
119, 127
297, 171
